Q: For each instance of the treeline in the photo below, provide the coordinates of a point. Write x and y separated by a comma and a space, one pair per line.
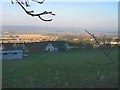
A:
38, 47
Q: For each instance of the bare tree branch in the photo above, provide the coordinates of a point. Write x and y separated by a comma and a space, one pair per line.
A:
31, 13
12, 1
110, 50
38, 1
103, 50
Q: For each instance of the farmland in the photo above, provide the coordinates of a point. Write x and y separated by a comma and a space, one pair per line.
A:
61, 69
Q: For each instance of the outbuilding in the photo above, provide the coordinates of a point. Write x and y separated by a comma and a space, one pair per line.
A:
51, 48
2, 47
67, 46
11, 54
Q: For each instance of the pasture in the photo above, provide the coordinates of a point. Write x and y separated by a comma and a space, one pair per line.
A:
61, 69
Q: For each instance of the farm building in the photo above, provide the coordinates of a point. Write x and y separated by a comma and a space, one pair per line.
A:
51, 48
114, 43
2, 47
15, 46
21, 47
67, 46
11, 54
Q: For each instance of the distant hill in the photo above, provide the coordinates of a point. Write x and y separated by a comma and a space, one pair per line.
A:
46, 29
36, 29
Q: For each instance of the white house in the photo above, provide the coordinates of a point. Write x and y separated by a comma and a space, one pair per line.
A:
67, 46
11, 54
114, 43
2, 47
50, 48
15, 45
23, 46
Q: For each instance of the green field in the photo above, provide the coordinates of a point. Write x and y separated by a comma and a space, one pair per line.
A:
61, 69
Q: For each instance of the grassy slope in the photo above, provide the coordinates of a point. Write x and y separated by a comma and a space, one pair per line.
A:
61, 69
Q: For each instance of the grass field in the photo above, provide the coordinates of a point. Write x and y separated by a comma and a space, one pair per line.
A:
61, 69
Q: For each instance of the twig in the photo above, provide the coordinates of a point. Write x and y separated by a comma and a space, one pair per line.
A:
31, 13
38, 1
103, 50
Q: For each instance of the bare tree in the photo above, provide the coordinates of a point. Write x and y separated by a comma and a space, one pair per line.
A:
25, 3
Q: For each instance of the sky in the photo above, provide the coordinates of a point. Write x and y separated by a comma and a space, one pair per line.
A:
84, 15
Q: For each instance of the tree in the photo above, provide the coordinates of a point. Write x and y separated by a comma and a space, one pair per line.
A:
25, 3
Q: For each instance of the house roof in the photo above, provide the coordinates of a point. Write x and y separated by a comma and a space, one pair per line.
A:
11, 51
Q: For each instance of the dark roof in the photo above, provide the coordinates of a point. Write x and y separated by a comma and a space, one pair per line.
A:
12, 51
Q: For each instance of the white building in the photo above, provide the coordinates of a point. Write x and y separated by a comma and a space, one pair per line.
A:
50, 48
67, 46
11, 54
15, 45
2, 47
23, 47
114, 43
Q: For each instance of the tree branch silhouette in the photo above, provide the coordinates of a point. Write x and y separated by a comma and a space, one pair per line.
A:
38, 1
107, 54
31, 13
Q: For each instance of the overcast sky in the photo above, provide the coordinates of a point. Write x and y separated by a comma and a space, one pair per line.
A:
86, 15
